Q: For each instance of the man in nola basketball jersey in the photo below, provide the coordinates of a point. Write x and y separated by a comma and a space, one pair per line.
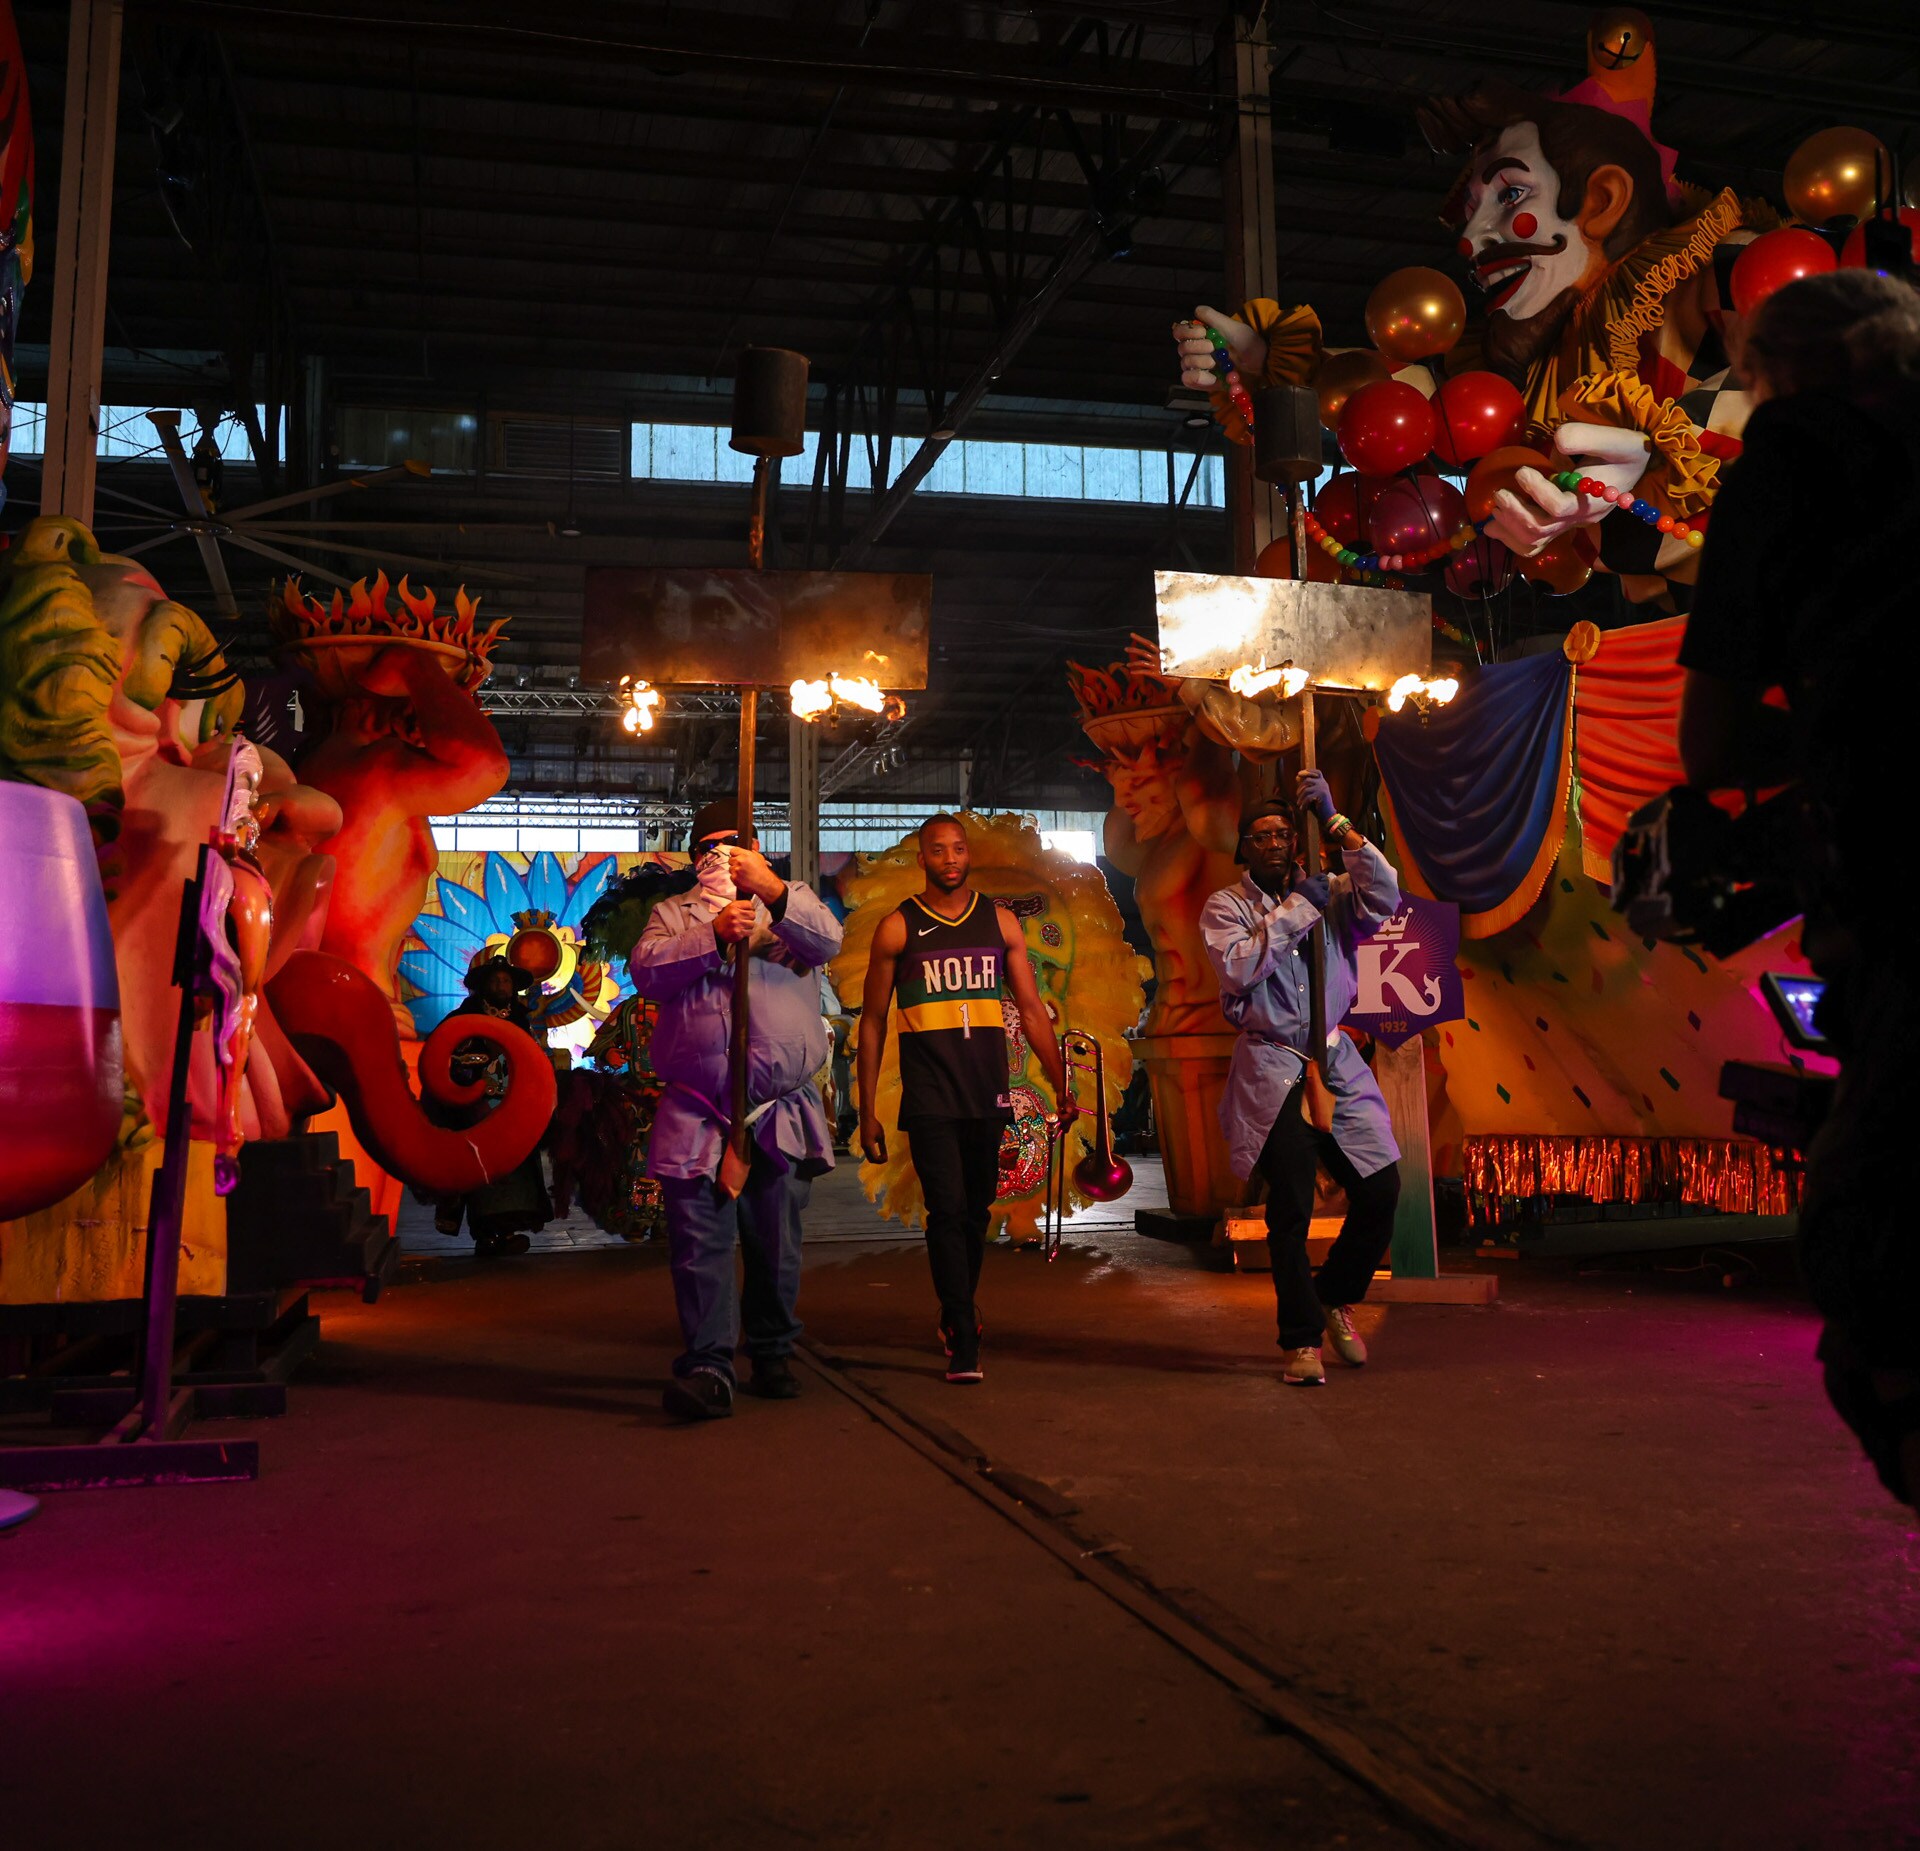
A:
948, 957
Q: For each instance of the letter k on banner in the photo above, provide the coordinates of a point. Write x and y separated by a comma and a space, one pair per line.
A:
1406, 976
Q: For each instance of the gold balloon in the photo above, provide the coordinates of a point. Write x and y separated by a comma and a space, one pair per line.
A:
1837, 173
1341, 376
1416, 314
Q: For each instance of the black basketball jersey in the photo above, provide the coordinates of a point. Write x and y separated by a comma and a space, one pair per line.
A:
953, 1038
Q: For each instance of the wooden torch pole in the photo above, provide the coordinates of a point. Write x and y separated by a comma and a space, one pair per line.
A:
738, 1160
1317, 934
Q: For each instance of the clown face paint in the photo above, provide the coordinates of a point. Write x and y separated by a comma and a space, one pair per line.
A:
1523, 252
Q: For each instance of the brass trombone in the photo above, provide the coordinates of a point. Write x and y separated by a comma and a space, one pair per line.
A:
1101, 1175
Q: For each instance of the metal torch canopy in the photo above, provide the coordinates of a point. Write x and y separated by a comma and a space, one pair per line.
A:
1344, 636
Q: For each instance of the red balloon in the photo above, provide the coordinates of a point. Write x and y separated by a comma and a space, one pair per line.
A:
1475, 413
1774, 260
1344, 507
1386, 426
1410, 517
1853, 254
1481, 568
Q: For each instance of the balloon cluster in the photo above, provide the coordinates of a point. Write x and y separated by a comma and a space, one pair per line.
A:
1837, 180
1387, 516
1394, 513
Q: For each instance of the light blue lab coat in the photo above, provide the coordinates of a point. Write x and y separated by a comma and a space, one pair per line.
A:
1258, 945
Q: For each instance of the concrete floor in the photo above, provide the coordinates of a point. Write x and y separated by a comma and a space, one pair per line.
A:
1600, 1553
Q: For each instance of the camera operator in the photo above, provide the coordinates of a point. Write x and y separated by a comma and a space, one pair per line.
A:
1808, 585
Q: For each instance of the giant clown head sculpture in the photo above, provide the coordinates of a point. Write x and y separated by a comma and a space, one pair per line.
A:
1552, 194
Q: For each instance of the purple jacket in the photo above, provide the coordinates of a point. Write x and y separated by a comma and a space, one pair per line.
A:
677, 964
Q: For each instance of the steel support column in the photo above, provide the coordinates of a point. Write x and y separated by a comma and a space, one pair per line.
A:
1253, 263
80, 258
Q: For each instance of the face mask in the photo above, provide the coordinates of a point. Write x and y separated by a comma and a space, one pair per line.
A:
714, 872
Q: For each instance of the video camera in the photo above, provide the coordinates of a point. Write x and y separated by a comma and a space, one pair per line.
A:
1783, 1106
1686, 871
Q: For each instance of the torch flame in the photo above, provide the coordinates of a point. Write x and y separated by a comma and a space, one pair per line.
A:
643, 704
1423, 694
810, 699
1248, 681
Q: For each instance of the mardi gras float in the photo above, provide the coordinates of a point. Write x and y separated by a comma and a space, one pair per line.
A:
119, 703
1593, 403
567, 924
1587, 416
1088, 976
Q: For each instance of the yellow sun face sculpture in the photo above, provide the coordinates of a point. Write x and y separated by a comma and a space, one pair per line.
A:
1087, 974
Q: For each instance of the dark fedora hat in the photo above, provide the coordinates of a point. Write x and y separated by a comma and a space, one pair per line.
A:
480, 967
718, 817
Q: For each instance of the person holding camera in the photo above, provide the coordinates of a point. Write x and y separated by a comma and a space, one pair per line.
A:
1822, 610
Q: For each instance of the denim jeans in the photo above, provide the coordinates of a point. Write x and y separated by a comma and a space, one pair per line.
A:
1287, 1163
703, 1227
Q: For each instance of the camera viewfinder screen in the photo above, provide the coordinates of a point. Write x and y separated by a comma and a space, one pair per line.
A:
1794, 999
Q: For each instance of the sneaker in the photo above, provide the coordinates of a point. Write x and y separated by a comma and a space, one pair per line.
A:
964, 1365
773, 1379
706, 1394
1344, 1340
1302, 1368
946, 1336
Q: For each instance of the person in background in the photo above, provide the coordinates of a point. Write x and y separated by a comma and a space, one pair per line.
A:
1280, 1114
500, 1215
949, 956
684, 963
1833, 365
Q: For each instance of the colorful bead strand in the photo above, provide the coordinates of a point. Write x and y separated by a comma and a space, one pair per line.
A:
1236, 390
1356, 561
1628, 503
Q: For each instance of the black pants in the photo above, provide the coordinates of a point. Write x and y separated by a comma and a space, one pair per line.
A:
958, 1163
1287, 1163
1857, 1240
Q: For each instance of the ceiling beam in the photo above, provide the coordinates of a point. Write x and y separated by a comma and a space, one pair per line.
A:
307, 140
748, 46
1473, 49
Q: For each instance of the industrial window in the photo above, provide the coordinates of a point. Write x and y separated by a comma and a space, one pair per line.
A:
575, 823
125, 432
379, 436
1044, 471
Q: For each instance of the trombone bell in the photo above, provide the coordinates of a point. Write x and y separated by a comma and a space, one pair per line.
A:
1101, 1175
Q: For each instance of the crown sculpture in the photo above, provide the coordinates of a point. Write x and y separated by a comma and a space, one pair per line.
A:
336, 640
1129, 713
